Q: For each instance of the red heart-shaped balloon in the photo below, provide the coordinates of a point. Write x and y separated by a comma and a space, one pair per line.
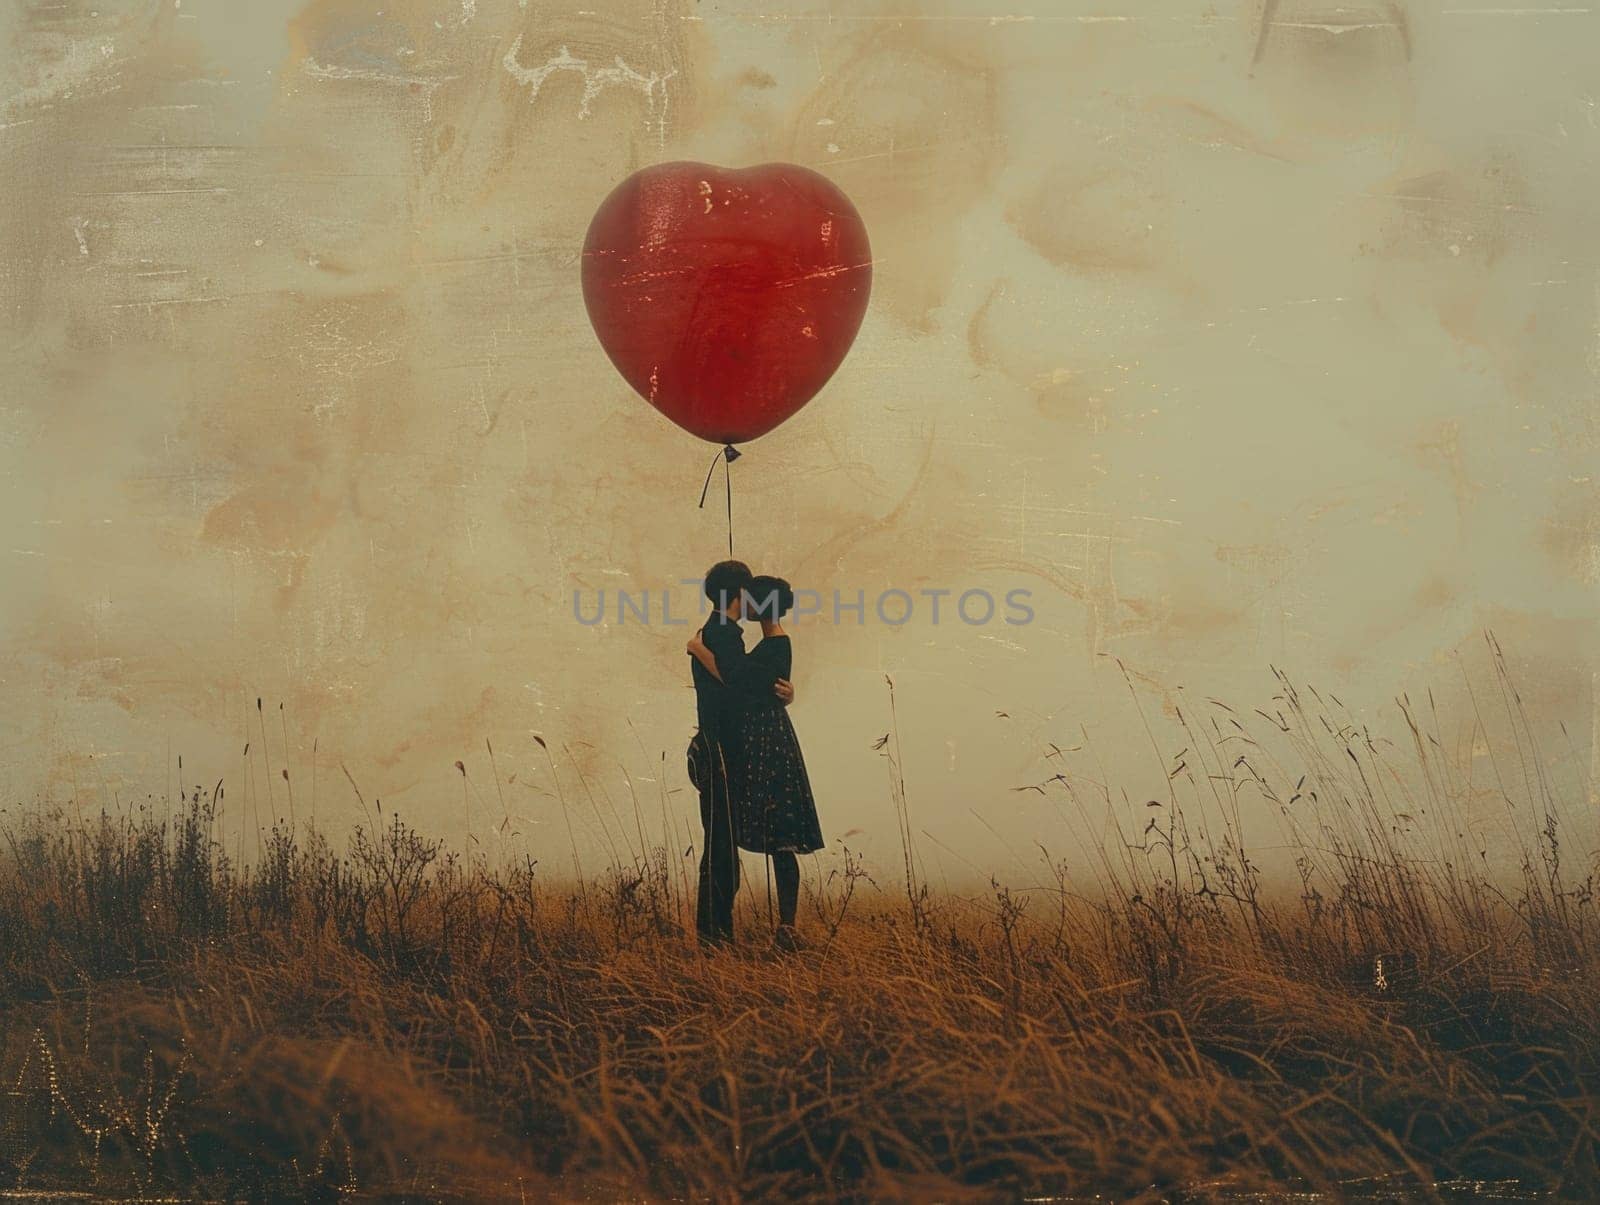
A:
726, 298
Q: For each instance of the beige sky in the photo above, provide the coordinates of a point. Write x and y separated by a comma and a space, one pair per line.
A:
1240, 335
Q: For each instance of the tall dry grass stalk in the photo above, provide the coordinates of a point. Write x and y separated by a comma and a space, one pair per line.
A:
395, 1019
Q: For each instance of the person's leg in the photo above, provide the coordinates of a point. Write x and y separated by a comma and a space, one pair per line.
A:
722, 852
786, 873
705, 887
724, 870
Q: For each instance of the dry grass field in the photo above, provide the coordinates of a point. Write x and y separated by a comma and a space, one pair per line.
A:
394, 1021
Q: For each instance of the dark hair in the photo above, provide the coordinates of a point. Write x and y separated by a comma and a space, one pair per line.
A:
770, 597
726, 580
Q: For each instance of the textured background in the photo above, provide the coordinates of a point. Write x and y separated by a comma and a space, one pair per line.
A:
1240, 333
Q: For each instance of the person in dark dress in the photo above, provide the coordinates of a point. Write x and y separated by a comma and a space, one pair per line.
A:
774, 811
715, 755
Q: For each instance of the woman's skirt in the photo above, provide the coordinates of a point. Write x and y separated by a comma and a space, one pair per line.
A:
773, 801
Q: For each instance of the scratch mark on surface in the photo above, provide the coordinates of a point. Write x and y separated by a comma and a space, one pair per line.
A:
1461, 202
1336, 28
894, 150
150, 192
913, 19
139, 305
837, 270
428, 84
595, 80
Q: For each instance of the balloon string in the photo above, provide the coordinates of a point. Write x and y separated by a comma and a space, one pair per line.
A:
728, 455
704, 488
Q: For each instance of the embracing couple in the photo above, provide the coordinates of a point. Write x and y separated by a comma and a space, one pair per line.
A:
745, 760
